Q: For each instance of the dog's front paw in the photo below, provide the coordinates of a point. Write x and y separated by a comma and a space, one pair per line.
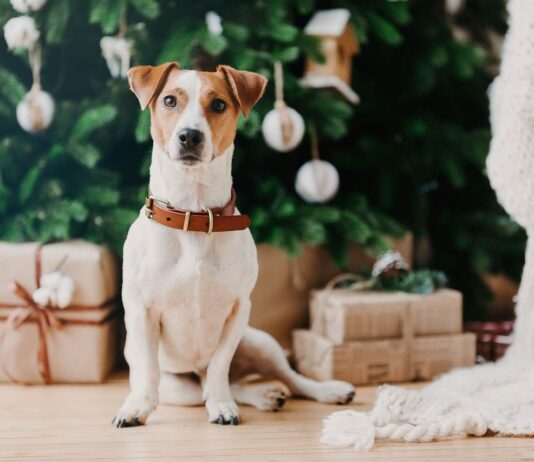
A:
222, 412
336, 392
134, 411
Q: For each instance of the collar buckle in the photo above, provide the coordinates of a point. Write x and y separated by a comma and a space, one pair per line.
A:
149, 205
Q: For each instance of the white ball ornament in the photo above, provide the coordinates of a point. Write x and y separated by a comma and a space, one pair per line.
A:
21, 32
213, 23
283, 129
117, 52
317, 181
36, 111
26, 6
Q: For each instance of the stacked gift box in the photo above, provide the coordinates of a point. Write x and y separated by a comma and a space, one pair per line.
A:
377, 337
49, 340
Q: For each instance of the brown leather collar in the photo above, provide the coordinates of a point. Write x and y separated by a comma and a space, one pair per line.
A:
214, 220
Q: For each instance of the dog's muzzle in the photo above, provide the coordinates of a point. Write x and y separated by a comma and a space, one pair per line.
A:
190, 143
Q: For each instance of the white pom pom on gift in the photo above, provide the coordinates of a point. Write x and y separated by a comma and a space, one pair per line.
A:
274, 130
213, 23
317, 181
117, 52
21, 32
44, 296
26, 6
64, 292
56, 290
36, 111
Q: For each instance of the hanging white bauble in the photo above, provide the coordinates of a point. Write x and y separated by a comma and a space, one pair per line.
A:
317, 181
213, 23
283, 128
26, 6
21, 32
117, 52
454, 6
36, 111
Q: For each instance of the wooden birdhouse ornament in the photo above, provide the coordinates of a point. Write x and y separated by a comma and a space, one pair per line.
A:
339, 45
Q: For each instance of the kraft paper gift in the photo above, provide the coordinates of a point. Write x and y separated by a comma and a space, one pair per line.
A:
343, 315
44, 344
381, 361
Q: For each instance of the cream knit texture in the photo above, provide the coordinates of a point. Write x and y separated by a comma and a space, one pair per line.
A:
495, 396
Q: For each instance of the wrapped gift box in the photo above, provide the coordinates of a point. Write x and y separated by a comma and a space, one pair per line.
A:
380, 361
342, 315
280, 299
77, 344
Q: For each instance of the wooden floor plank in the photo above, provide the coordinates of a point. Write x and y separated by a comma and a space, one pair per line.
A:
73, 423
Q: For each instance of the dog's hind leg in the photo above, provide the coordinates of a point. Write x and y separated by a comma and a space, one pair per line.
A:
259, 352
185, 390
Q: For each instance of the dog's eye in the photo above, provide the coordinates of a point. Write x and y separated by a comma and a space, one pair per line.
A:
218, 105
169, 101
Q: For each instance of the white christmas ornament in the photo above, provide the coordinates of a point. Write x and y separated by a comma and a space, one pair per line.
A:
117, 52
213, 22
21, 32
317, 181
283, 129
26, 6
454, 6
36, 111
56, 290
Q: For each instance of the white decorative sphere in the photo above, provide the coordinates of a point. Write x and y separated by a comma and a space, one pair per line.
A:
25, 6
317, 181
273, 133
213, 22
36, 111
21, 32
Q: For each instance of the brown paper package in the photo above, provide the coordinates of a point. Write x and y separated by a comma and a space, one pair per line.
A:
343, 315
280, 300
78, 352
381, 361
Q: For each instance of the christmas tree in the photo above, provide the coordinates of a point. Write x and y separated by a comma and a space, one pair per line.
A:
410, 156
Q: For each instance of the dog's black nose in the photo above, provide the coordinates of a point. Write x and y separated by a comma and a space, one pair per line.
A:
190, 138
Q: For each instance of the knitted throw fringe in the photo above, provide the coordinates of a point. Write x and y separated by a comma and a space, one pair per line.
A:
497, 397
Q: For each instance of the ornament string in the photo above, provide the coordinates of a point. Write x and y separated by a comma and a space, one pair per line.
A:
319, 181
34, 56
286, 124
314, 143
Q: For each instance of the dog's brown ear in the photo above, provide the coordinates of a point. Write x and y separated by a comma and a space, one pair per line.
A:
147, 81
247, 87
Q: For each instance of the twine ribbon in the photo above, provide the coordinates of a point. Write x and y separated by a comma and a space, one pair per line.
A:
45, 317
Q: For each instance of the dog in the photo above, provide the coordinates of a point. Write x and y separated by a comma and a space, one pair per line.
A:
186, 285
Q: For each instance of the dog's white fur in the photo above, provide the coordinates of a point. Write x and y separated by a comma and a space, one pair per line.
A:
187, 298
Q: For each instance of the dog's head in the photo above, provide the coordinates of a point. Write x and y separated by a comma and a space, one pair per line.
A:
194, 114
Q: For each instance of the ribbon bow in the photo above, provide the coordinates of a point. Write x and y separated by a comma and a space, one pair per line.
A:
45, 319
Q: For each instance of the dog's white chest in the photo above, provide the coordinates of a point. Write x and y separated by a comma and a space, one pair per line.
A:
192, 283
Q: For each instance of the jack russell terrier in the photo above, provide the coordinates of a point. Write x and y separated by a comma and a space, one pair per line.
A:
190, 261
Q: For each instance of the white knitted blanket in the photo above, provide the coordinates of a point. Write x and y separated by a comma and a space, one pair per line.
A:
498, 397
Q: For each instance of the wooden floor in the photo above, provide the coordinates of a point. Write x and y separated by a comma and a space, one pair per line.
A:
73, 423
